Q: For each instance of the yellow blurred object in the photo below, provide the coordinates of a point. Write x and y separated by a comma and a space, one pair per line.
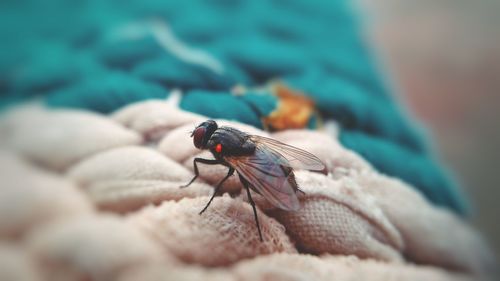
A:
294, 109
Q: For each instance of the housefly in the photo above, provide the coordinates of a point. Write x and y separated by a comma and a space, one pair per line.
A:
264, 165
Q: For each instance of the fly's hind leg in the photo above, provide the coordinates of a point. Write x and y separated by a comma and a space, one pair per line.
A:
229, 173
196, 173
246, 185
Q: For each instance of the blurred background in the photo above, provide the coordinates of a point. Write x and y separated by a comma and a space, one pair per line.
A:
444, 58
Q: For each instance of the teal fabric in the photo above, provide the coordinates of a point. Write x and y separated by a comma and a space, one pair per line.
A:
106, 93
355, 107
222, 105
171, 72
67, 53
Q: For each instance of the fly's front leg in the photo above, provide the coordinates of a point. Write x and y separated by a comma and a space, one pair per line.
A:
196, 173
246, 185
229, 173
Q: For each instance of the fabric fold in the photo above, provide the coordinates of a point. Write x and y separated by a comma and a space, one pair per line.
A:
354, 222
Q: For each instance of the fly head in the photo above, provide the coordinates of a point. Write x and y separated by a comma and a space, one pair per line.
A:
202, 133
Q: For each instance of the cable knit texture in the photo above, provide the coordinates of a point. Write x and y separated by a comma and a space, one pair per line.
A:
106, 205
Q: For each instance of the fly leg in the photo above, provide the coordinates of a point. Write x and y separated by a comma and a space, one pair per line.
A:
229, 173
246, 185
196, 173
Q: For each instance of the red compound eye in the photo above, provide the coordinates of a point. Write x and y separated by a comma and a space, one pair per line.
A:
218, 148
198, 136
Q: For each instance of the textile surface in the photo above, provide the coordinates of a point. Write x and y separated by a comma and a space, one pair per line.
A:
103, 55
98, 99
86, 196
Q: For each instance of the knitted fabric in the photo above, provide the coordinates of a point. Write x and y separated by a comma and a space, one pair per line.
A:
106, 205
102, 56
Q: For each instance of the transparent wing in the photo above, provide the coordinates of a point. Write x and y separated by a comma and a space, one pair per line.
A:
293, 157
263, 170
